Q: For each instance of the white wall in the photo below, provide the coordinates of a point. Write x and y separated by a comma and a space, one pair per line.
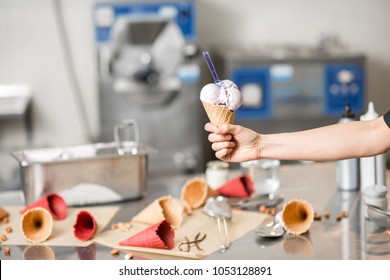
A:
30, 50
31, 53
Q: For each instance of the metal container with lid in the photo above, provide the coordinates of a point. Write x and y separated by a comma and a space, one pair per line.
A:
88, 174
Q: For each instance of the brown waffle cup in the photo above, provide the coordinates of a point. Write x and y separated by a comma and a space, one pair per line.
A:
195, 192
297, 216
218, 114
163, 208
37, 224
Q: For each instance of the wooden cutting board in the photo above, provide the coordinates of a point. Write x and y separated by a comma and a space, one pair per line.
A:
242, 222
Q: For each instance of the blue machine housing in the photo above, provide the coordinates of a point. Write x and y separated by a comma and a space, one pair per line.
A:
308, 89
261, 77
185, 16
337, 93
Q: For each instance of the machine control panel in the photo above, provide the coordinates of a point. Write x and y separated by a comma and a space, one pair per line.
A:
344, 83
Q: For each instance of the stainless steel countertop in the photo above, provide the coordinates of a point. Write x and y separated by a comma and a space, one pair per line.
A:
353, 237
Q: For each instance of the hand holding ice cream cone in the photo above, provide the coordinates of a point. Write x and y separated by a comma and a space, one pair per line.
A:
220, 99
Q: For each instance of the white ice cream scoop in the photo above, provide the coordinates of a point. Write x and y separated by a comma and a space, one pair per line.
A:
226, 93
230, 95
210, 93
223, 92
233, 97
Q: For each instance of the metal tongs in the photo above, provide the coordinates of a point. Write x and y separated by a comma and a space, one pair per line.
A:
218, 208
253, 203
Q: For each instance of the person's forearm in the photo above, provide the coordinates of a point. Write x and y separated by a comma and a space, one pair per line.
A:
334, 142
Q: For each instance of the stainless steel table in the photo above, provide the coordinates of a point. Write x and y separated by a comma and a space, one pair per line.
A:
353, 237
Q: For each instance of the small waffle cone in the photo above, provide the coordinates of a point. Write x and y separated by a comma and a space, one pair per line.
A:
163, 208
3, 213
195, 192
297, 216
241, 186
54, 203
85, 226
37, 224
218, 114
173, 211
160, 235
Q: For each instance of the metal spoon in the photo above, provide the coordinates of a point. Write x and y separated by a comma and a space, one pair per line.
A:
379, 216
218, 208
273, 229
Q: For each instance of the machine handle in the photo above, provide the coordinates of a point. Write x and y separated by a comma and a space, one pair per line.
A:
123, 130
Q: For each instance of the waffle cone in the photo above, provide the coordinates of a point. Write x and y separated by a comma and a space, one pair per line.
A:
160, 235
163, 208
241, 186
85, 226
3, 213
173, 211
195, 192
218, 114
37, 224
54, 203
297, 216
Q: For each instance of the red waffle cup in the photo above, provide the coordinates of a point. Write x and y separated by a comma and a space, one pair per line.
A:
159, 236
241, 186
53, 203
84, 226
